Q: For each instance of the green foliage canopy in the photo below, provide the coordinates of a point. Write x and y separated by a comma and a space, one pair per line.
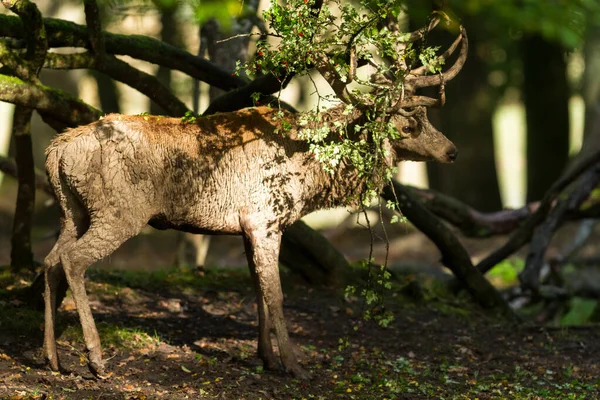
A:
334, 38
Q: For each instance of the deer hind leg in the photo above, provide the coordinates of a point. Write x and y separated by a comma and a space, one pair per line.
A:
265, 254
103, 237
74, 224
265, 347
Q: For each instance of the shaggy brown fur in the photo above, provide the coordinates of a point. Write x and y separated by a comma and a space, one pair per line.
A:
230, 173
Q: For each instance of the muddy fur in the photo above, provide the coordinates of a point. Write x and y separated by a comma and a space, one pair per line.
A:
229, 173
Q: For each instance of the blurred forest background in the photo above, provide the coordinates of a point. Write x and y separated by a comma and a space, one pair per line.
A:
518, 112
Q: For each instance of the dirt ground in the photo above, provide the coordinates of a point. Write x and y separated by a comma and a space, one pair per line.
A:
190, 335
187, 335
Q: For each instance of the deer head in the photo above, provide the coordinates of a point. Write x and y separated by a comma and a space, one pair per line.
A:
417, 139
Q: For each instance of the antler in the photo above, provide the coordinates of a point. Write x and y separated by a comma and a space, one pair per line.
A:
415, 78
332, 77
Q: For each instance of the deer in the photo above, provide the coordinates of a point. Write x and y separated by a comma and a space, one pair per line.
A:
231, 173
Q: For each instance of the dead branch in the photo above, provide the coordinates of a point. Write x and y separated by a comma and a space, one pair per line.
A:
471, 222
62, 33
92, 20
454, 255
63, 107
9, 167
122, 72
29, 68
523, 234
531, 274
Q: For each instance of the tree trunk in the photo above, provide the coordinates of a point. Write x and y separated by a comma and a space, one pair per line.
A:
169, 34
546, 95
107, 92
21, 256
466, 119
591, 77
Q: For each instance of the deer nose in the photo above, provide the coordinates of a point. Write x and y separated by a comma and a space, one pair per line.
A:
452, 154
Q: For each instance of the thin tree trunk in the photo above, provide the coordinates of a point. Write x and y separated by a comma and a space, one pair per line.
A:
591, 77
21, 256
169, 34
546, 95
466, 119
107, 92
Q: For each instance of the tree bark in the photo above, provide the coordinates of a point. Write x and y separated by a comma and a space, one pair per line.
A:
168, 34
309, 254
63, 107
28, 68
21, 255
546, 95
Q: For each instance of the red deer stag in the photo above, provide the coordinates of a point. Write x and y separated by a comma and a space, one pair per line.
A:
230, 173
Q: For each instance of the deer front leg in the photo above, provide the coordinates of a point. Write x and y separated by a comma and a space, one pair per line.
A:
265, 348
265, 254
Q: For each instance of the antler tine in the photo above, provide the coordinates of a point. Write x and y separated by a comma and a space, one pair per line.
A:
421, 32
332, 77
406, 113
415, 101
435, 80
422, 70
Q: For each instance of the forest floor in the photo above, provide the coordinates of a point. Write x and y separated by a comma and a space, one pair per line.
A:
192, 335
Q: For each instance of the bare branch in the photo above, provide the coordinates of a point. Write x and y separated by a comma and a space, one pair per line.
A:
578, 193
35, 34
68, 34
9, 167
454, 255
65, 108
16, 64
92, 19
523, 234
122, 72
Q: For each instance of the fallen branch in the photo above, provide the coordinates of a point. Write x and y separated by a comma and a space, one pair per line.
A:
523, 234
454, 255
472, 223
120, 71
530, 276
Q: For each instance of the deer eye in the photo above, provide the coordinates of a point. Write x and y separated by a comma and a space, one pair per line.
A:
408, 129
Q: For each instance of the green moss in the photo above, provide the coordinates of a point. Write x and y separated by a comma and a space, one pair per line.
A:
115, 336
176, 278
20, 321
507, 272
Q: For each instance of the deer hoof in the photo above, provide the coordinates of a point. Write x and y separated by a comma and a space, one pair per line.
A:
53, 363
98, 370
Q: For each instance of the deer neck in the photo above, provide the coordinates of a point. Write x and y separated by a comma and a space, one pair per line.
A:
344, 185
